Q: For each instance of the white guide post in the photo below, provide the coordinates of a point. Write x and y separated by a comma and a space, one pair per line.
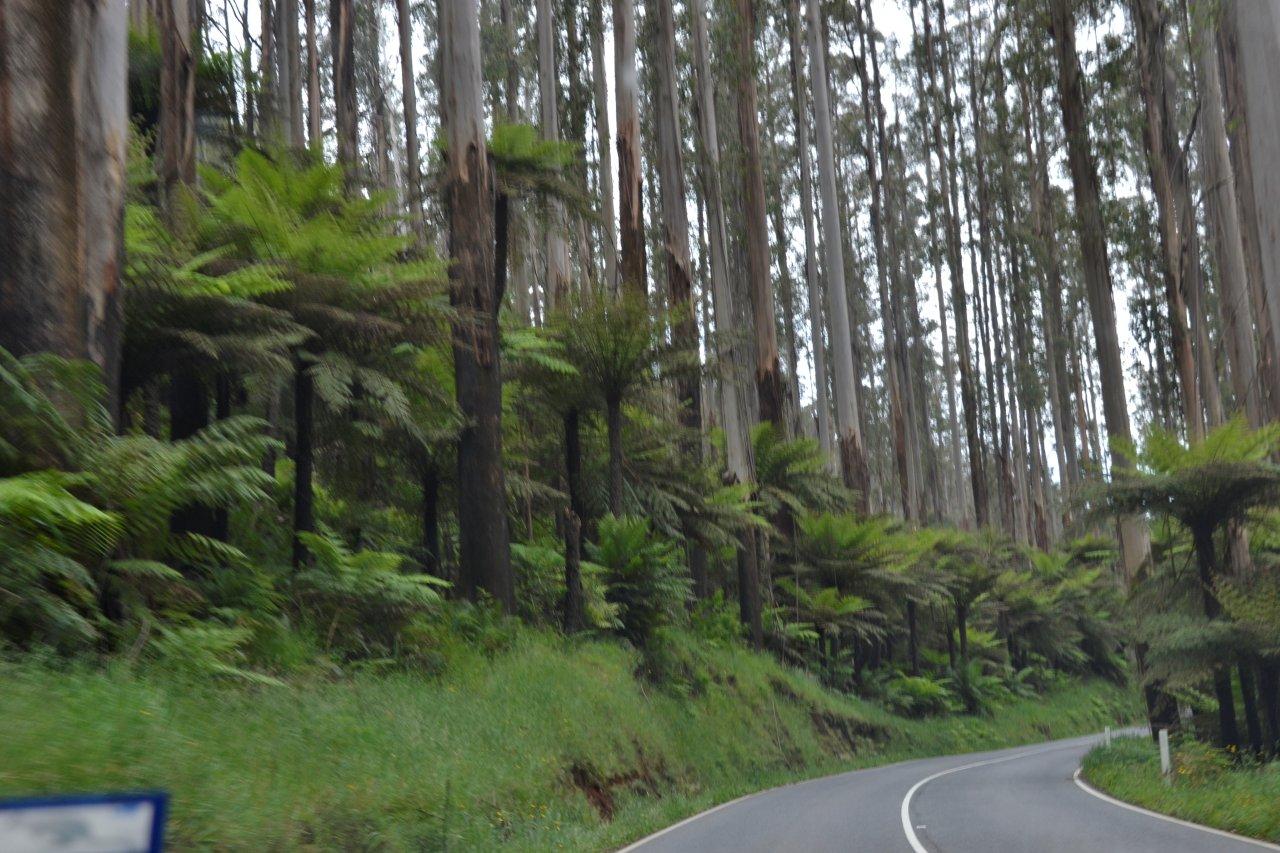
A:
1166, 763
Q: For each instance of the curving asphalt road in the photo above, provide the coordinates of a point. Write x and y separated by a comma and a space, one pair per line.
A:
1021, 800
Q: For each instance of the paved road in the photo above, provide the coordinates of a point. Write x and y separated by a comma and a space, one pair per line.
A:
1021, 800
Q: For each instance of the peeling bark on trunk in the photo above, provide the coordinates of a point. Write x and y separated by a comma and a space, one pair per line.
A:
63, 131
484, 549
315, 136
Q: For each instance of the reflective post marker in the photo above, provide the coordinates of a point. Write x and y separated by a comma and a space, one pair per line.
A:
1166, 764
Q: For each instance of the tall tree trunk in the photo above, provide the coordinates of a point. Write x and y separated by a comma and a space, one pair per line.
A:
955, 268
315, 135
342, 24
630, 201
1233, 76
853, 453
759, 278
1134, 539
484, 549
814, 286
675, 225
554, 245
409, 98
600, 98
63, 127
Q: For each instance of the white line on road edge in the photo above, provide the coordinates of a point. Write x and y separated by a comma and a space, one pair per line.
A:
1092, 791
912, 838
636, 845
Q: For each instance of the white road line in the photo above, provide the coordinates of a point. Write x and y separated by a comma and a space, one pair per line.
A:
1094, 792
907, 827
638, 844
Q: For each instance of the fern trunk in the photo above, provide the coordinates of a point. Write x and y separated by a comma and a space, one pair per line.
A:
1207, 561
303, 458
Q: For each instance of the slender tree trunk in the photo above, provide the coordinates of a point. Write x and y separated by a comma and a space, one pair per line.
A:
346, 111
315, 134
600, 97
613, 425
630, 202
475, 290
959, 298
1134, 539
853, 454
409, 98
1169, 183
801, 114
574, 605
63, 128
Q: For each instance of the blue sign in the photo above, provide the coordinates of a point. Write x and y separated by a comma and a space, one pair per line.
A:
111, 823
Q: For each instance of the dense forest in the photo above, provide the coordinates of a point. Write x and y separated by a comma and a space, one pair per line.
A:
932, 348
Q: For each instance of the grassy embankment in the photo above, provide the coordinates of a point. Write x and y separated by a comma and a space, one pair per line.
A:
1207, 787
553, 744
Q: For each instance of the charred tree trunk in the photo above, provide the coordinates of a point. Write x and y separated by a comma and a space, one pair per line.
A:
764, 326
476, 291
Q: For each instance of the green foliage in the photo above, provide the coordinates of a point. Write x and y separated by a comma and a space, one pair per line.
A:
920, 696
362, 600
1209, 786
84, 514
646, 582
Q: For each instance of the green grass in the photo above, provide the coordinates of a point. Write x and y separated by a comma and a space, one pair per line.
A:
553, 744
1207, 787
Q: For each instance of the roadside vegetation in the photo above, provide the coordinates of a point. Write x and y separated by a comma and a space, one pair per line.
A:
545, 743
368, 492
1208, 786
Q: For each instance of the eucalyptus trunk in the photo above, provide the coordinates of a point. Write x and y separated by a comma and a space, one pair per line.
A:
853, 454
800, 106
63, 127
1135, 544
